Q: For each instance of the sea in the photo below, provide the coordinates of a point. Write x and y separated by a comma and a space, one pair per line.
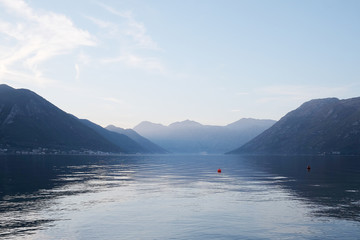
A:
179, 197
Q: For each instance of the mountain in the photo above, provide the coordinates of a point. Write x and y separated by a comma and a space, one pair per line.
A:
145, 143
29, 122
192, 137
147, 129
319, 126
120, 140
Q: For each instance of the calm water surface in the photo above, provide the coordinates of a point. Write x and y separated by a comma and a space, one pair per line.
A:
179, 197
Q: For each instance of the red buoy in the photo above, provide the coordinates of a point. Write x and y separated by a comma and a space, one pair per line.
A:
219, 170
308, 167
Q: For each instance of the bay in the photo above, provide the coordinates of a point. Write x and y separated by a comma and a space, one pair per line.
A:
179, 197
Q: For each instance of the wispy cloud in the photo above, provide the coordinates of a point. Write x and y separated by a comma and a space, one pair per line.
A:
149, 64
111, 28
77, 69
136, 46
113, 100
114, 103
134, 29
32, 36
242, 93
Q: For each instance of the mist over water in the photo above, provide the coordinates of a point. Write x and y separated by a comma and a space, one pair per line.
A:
179, 197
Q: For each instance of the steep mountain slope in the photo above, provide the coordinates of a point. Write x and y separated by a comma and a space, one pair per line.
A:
318, 126
145, 143
120, 140
28, 121
193, 137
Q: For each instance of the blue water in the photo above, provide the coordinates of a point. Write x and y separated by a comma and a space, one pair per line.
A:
179, 197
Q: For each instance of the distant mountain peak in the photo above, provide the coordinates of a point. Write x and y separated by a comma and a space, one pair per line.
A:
148, 123
250, 122
186, 123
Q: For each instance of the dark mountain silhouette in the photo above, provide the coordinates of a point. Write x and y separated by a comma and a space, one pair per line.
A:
28, 121
193, 137
145, 143
319, 126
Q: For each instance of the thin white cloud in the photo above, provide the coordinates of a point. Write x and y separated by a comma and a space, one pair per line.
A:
138, 31
134, 46
111, 28
33, 36
115, 103
134, 29
149, 64
110, 9
77, 69
242, 93
113, 100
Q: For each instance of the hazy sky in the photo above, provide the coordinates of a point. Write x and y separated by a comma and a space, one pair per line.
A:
122, 62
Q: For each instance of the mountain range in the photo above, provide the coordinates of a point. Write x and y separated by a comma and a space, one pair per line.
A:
192, 137
125, 138
29, 123
320, 126
145, 143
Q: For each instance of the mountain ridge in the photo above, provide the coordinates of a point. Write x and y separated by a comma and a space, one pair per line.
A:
145, 143
192, 137
319, 126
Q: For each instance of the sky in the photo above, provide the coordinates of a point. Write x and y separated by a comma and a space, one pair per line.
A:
122, 62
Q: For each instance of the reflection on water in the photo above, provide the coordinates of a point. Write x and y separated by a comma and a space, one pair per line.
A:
179, 197
331, 187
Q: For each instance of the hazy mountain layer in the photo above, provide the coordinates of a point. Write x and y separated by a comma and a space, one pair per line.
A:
192, 137
145, 143
120, 140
